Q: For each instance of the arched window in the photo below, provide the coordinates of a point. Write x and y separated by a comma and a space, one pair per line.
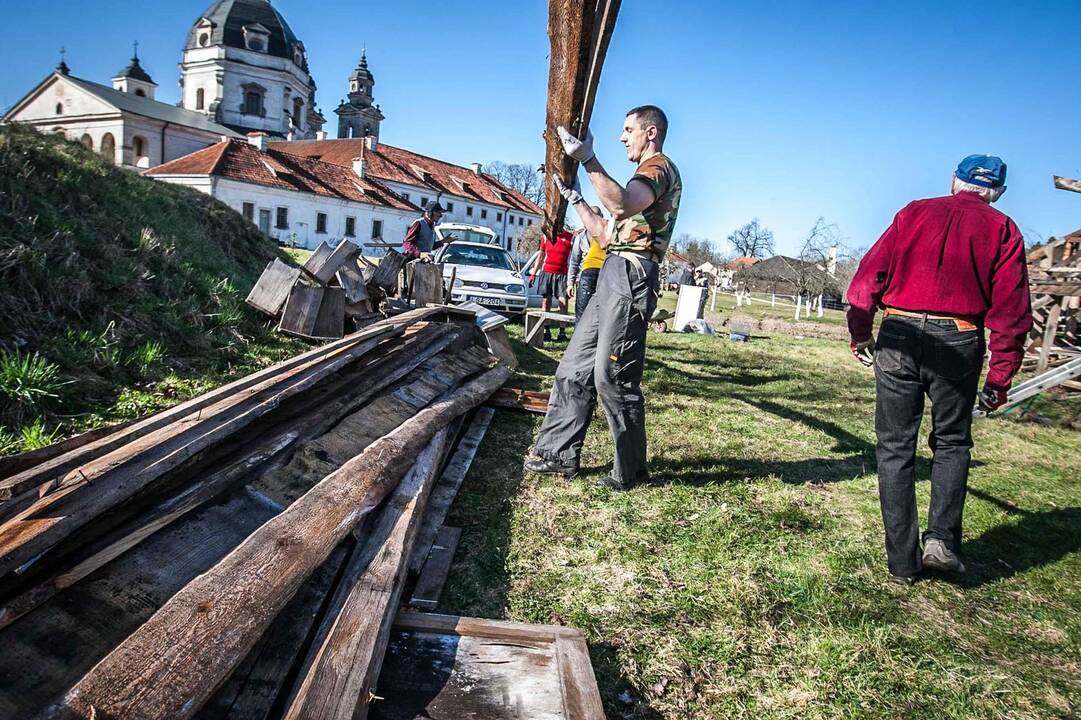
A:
200, 99
140, 92
298, 111
60, 108
87, 141
367, 130
138, 146
108, 148
204, 39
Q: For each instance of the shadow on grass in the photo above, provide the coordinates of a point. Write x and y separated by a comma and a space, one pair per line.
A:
1033, 540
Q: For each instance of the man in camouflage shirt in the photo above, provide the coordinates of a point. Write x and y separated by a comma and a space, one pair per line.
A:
608, 348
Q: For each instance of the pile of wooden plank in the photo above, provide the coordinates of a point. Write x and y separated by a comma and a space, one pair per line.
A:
1055, 278
242, 554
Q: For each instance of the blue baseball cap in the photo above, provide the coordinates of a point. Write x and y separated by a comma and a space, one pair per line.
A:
984, 170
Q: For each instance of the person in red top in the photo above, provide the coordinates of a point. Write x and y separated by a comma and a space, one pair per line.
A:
552, 263
944, 270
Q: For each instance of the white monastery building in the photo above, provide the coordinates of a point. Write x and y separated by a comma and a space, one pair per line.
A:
248, 132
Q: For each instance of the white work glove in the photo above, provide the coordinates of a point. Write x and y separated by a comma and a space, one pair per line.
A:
571, 194
580, 150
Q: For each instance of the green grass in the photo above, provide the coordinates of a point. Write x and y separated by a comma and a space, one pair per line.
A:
120, 294
748, 579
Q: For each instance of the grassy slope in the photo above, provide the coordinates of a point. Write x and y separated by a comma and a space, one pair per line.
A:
748, 580
133, 289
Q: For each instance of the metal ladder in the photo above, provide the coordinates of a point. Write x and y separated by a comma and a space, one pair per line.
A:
1035, 386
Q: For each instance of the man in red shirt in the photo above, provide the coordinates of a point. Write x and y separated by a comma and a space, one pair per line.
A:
946, 268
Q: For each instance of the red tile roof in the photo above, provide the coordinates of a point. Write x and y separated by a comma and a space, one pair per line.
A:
740, 263
393, 164
242, 161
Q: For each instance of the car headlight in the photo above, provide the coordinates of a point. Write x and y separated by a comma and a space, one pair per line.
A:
516, 289
458, 282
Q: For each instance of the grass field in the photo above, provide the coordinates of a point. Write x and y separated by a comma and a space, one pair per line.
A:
748, 579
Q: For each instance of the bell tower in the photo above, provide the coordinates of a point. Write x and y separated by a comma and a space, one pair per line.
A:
359, 116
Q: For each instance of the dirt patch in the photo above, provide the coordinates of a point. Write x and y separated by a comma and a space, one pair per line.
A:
785, 327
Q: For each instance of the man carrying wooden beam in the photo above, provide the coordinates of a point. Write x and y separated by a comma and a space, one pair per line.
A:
944, 269
607, 351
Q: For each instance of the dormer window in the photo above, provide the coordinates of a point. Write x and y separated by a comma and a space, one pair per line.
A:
256, 37
204, 39
203, 29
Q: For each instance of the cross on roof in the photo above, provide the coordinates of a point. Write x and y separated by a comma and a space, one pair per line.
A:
135, 49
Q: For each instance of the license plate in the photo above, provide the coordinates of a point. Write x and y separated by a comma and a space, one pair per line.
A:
482, 300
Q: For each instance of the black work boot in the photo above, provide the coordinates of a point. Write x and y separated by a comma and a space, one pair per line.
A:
542, 465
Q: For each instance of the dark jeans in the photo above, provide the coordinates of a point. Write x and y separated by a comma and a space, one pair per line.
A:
915, 357
604, 359
587, 286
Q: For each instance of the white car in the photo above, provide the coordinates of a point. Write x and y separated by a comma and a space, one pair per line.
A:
484, 274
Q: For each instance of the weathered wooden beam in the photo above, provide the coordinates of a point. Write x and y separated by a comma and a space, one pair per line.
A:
1067, 184
343, 666
449, 483
517, 399
171, 665
1049, 334
23, 461
116, 477
59, 470
436, 569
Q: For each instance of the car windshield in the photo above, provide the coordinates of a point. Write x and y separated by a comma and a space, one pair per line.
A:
467, 236
491, 257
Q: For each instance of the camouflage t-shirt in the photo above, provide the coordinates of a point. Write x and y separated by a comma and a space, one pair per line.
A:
651, 229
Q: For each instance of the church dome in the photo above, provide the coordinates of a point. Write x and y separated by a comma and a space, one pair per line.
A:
361, 73
135, 71
240, 23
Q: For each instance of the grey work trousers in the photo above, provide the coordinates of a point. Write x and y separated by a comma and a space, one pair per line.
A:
605, 358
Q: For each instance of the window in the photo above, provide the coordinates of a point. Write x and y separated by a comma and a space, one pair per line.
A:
483, 214
499, 217
469, 211
529, 222
140, 92
350, 227
450, 207
510, 219
87, 141
60, 108
204, 39
424, 202
248, 211
406, 196
253, 103
108, 147
138, 146
282, 220
298, 111
519, 221
200, 99
377, 229
321, 222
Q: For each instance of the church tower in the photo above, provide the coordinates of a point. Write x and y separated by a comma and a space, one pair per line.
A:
133, 79
359, 116
244, 67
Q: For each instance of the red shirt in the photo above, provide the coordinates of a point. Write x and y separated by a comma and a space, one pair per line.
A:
953, 255
556, 254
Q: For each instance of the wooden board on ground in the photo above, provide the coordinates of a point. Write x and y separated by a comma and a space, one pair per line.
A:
323, 266
499, 344
318, 257
445, 668
536, 321
433, 576
386, 275
330, 322
427, 284
272, 288
516, 399
302, 310
446, 489
352, 281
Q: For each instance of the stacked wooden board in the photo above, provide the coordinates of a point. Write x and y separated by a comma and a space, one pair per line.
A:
1054, 270
243, 554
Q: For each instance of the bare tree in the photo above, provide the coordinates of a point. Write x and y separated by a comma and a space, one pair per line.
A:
521, 177
528, 241
752, 240
828, 264
698, 250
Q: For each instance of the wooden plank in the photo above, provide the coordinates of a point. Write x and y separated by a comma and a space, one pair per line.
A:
570, 35
55, 469
534, 329
330, 323
436, 570
449, 483
117, 476
499, 345
386, 275
517, 399
272, 288
1067, 184
580, 696
172, 664
352, 281
427, 284
302, 310
1049, 334
23, 461
343, 252
477, 627
316, 260
344, 664
603, 27
252, 691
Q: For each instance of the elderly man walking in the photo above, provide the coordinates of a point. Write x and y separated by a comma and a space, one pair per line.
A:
608, 349
944, 270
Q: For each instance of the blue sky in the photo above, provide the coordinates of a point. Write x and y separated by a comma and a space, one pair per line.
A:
780, 110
